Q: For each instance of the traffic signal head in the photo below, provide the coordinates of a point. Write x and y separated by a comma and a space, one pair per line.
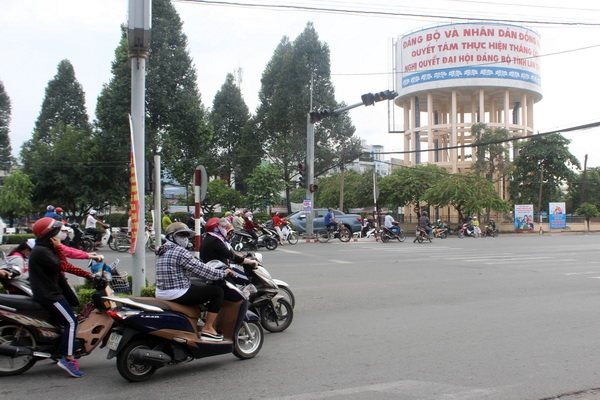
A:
368, 99
301, 175
313, 188
316, 116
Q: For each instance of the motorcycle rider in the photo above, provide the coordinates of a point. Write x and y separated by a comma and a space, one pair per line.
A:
278, 223
215, 243
17, 259
175, 266
90, 226
390, 223
250, 227
424, 223
46, 263
238, 221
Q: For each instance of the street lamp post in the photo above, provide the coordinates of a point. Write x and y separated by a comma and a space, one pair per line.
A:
138, 38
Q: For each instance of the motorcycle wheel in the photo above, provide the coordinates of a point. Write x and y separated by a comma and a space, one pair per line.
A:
420, 238
287, 294
292, 238
323, 236
495, 234
121, 244
130, 371
15, 366
461, 234
248, 340
270, 243
443, 235
278, 318
385, 238
344, 235
87, 245
113, 244
401, 236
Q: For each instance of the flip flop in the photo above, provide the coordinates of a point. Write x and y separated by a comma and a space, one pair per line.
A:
211, 337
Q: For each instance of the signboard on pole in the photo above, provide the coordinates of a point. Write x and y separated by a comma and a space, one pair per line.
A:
556, 216
307, 206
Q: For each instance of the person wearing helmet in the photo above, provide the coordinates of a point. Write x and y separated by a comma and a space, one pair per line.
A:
91, 225
175, 266
279, 223
476, 229
51, 213
424, 223
250, 227
166, 220
238, 221
48, 283
215, 243
17, 259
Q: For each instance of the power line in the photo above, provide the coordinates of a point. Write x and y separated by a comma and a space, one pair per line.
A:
387, 13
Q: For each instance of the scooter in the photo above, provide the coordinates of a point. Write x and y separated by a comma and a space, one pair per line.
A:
394, 233
275, 311
82, 240
14, 283
243, 241
29, 333
465, 231
151, 333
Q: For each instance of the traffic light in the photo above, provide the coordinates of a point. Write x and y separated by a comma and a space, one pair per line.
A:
302, 175
369, 99
313, 188
316, 116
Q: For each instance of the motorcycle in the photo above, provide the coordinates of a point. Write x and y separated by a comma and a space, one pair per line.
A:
151, 333
275, 311
394, 233
242, 240
489, 231
466, 231
421, 235
14, 283
441, 233
82, 240
29, 333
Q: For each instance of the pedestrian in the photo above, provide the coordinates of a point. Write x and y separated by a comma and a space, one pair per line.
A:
166, 220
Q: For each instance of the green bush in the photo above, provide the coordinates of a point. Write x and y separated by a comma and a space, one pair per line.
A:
17, 238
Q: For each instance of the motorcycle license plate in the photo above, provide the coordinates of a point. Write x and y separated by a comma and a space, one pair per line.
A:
113, 341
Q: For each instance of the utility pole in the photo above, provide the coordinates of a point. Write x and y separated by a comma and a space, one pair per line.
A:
138, 37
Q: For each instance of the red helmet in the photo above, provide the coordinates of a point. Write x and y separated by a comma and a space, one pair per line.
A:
44, 226
211, 224
58, 210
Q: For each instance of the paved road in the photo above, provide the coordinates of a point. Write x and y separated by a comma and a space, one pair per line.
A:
514, 317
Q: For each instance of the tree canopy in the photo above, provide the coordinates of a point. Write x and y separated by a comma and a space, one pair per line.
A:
6, 159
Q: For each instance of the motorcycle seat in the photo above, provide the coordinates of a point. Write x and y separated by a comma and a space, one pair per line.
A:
21, 302
190, 311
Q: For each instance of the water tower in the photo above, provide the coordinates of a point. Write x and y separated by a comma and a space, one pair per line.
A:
452, 76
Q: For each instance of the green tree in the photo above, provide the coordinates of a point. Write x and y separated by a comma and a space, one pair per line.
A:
64, 103
229, 117
469, 195
543, 164
585, 187
176, 123
589, 211
358, 190
492, 154
63, 171
15, 196
285, 99
6, 160
219, 193
264, 187
407, 185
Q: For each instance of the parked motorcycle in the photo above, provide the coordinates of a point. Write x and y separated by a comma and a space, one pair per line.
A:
490, 230
465, 230
29, 333
152, 333
275, 311
422, 236
394, 233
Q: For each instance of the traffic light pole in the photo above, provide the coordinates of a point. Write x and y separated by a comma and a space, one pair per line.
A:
310, 173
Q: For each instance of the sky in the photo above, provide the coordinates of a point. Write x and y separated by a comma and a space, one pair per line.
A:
38, 34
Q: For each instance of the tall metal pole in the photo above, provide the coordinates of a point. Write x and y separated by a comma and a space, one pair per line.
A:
139, 43
310, 173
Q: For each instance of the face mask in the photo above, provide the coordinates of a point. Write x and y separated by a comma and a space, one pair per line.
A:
223, 231
62, 235
183, 241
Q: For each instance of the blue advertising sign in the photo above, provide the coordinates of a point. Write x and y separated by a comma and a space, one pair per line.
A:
557, 218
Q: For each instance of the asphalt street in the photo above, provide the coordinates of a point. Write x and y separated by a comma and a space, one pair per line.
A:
513, 317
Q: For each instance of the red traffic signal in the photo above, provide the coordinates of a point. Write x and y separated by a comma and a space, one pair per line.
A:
313, 188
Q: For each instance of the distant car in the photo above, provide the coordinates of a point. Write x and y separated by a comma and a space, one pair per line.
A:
351, 221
